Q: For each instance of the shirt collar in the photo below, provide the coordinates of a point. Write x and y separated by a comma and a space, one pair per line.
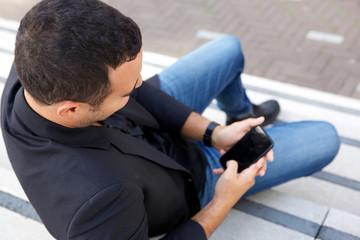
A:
92, 136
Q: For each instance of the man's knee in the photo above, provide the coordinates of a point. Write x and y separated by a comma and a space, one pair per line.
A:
330, 137
231, 49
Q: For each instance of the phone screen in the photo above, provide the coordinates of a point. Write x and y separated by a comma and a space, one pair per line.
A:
250, 148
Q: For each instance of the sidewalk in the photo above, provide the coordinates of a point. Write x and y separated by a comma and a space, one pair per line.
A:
323, 206
309, 43
313, 44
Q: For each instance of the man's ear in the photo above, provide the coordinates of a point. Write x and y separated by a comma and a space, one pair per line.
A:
68, 109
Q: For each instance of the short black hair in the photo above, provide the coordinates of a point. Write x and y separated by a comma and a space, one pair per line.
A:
64, 49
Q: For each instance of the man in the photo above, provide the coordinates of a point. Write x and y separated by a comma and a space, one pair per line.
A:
102, 155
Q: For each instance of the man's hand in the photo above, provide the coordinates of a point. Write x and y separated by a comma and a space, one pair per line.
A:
225, 137
230, 187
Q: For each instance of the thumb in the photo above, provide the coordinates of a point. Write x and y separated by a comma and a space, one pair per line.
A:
253, 122
231, 166
253, 169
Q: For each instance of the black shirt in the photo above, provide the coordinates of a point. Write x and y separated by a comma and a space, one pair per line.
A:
184, 151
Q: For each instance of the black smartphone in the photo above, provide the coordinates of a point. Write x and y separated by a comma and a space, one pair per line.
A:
250, 148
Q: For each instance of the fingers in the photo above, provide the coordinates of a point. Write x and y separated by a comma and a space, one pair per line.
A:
253, 122
226, 136
262, 170
270, 156
222, 151
254, 169
260, 165
218, 171
244, 126
249, 123
247, 176
232, 166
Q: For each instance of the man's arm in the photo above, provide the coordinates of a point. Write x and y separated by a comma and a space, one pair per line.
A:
231, 185
228, 190
169, 112
223, 137
195, 126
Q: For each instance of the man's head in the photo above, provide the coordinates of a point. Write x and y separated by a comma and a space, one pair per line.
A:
65, 50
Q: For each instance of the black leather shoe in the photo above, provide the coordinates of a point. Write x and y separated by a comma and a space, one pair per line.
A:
269, 109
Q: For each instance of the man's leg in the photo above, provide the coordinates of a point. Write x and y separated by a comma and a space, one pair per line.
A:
212, 71
301, 149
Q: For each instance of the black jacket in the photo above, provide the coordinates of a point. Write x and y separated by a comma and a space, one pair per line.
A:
97, 182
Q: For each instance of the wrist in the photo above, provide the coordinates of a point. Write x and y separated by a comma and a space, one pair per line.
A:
207, 138
221, 202
211, 216
216, 137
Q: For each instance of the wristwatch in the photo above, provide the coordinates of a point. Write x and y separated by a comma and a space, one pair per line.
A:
208, 133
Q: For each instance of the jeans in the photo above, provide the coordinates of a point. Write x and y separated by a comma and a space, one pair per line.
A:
214, 71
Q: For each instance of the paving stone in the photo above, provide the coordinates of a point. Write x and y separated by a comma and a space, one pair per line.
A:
337, 81
167, 25
320, 62
349, 86
356, 95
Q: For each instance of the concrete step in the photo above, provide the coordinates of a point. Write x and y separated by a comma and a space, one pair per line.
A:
275, 215
15, 226
239, 225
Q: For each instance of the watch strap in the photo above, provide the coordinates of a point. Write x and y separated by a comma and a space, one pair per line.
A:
209, 130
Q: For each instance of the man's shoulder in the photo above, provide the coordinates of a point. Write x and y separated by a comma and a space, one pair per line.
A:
66, 183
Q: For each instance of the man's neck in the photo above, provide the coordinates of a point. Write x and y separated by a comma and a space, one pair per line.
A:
47, 112
77, 118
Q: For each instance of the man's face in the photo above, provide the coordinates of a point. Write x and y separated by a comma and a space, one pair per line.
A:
123, 80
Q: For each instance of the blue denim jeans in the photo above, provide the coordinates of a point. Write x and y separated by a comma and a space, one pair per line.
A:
214, 71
